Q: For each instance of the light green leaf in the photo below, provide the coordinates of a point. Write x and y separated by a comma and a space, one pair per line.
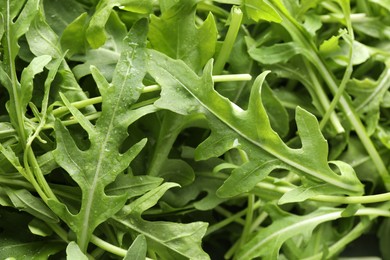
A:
99, 166
277, 53
73, 37
73, 252
137, 250
249, 130
385, 4
95, 32
39, 228
132, 185
267, 242
36, 66
176, 35
260, 10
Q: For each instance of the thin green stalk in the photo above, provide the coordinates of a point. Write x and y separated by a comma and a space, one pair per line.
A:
61, 111
367, 199
229, 218
348, 71
59, 231
232, 77
108, 247
227, 46
216, 10
323, 99
248, 220
258, 221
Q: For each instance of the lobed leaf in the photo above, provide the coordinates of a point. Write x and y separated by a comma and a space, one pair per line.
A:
99, 166
249, 130
175, 34
267, 242
168, 239
95, 32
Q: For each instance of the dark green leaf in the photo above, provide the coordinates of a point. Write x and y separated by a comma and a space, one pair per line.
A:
175, 34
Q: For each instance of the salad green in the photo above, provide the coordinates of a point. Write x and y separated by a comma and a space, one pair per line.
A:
194, 129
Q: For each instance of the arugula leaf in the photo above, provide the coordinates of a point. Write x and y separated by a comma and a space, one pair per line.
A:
95, 32
268, 242
44, 41
16, 241
102, 162
167, 239
257, 10
233, 168
175, 34
105, 57
250, 130
137, 250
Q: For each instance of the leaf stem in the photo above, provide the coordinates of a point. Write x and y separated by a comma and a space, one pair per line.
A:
229, 218
248, 220
232, 77
348, 70
367, 199
108, 247
227, 46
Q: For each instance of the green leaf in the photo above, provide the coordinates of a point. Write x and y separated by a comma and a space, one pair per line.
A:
168, 239
105, 57
132, 185
260, 10
16, 241
277, 53
277, 114
73, 37
25, 201
137, 250
73, 252
202, 184
36, 66
267, 242
177, 171
99, 166
176, 35
249, 130
95, 32
383, 3
44, 41
39, 228
58, 14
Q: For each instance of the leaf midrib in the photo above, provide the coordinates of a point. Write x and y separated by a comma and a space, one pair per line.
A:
101, 158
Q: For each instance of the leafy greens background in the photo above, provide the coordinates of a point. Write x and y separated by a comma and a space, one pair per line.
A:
192, 129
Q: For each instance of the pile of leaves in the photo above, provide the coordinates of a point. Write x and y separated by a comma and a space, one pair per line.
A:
194, 129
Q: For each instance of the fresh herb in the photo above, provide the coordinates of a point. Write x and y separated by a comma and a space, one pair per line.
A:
190, 129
